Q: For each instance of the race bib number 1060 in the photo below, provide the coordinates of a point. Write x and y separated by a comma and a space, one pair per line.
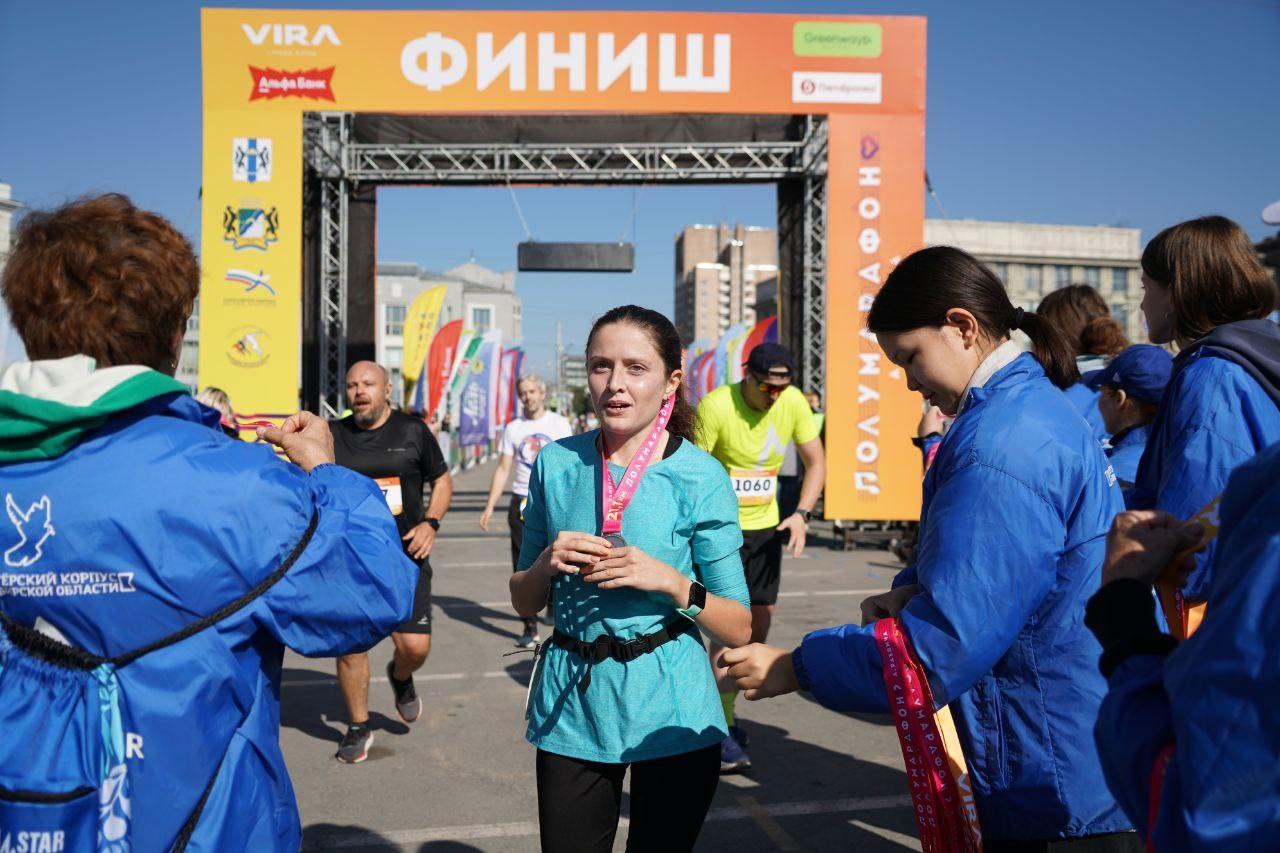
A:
754, 487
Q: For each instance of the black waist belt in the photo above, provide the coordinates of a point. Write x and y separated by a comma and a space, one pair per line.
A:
604, 647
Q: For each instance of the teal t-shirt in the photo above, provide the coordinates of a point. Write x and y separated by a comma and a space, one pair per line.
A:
684, 513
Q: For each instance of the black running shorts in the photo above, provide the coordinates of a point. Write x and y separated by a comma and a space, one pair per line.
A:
419, 622
762, 564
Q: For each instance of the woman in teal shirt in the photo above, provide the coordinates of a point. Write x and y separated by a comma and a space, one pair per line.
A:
624, 681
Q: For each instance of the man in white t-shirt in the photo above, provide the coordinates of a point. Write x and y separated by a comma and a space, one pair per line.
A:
522, 440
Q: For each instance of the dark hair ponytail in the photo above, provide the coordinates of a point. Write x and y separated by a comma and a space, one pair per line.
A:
666, 340
929, 283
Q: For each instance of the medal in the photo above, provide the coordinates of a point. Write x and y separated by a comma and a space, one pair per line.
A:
616, 540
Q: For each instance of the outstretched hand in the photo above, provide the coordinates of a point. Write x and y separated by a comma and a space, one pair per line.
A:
1142, 544
304, 438
761, 671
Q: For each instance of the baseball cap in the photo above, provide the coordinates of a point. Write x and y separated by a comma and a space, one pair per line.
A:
1141, 371
770, 356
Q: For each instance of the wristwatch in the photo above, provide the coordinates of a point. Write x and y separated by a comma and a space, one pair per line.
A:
697, 601
434, 522
807, 515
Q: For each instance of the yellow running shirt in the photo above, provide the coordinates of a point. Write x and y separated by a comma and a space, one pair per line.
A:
751, 444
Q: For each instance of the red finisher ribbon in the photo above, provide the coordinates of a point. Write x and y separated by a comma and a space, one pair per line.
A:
1156, 791
616, 498
937, 776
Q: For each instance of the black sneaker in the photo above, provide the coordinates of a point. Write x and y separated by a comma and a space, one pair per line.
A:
355, 744
408, 705
529, 639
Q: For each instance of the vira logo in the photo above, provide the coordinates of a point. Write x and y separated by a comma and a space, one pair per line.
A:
283, 35
436, 62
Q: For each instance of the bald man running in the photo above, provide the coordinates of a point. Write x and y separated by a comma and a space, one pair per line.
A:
400, 454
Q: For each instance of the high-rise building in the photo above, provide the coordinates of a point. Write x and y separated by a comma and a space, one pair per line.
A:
1034, 259
573, 370
482, 298
719, 271
10, 346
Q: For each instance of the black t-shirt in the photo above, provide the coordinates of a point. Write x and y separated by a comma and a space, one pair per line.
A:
400, 456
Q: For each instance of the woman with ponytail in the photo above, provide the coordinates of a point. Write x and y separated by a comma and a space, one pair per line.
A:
633, 531
987, 617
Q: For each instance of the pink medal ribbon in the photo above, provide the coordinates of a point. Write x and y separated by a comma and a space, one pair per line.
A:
937, 773
616, 498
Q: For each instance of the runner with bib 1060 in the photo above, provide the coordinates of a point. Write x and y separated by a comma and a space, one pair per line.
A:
747, 427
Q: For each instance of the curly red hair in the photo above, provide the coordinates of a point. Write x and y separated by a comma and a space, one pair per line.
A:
100, 277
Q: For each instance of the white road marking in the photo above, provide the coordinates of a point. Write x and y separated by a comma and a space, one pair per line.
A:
892, 835
508, 830
382, 679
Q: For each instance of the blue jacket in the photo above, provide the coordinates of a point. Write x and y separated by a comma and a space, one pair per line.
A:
1222, 407
1016, 509
1085, 401
178, 520
1214, 696
1125, 453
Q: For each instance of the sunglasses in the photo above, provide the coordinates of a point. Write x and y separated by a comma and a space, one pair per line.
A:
771, 389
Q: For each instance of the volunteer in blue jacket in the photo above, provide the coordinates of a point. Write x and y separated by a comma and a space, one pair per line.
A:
1016, 508
1130, 390
1083, 316
1204, 290
129, 516
633, 530
1194, 729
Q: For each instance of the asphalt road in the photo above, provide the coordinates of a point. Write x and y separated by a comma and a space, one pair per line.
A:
461, 778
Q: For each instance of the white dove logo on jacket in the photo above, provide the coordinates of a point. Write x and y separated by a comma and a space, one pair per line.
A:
33, 526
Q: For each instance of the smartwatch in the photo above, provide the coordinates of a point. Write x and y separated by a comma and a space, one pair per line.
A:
806, 514
434, 522
697, 601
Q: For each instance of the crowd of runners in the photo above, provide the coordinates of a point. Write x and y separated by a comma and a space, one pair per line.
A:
1076, 655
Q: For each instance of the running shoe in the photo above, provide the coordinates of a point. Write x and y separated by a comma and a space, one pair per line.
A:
529, 639
733, 758
355, 745
408, 705
739, 734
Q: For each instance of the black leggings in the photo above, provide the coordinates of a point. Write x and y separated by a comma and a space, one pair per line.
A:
578, 801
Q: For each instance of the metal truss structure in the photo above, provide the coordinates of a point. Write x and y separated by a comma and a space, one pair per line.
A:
341, 165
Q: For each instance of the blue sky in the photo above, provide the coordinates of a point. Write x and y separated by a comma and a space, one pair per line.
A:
1089, 112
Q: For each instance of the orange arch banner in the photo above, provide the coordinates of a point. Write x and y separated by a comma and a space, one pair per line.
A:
262, 69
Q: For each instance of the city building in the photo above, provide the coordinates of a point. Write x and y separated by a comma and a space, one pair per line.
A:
1033, 260
190, 355
718, 276
573, 370
482, 298
10, 346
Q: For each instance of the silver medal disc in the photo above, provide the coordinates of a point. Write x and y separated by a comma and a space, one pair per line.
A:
616, 540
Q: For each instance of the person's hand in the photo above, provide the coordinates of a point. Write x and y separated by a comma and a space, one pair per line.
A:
631, 567
1142, 544
887, 605
571, 552
794, 524
930, 422
304, 438
419, 539
485, 517
762, 671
